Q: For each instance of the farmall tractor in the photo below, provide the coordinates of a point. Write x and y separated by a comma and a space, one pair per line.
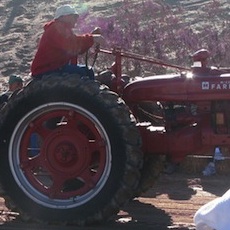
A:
75, 150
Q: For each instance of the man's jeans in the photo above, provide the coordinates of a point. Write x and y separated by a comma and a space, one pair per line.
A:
82, 70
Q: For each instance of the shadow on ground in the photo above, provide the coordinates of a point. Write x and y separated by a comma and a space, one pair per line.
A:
134, 216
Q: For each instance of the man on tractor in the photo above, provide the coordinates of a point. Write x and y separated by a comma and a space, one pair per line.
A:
59, 46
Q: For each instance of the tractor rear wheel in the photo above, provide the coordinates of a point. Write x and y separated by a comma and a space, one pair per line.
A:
69, 151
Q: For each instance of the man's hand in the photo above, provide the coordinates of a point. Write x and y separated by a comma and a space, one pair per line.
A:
97, 30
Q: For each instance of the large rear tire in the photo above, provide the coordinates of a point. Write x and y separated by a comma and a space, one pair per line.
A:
69, 151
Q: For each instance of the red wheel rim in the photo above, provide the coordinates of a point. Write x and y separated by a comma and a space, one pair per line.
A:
70, 158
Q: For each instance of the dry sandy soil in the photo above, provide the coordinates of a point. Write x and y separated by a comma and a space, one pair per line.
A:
172, 202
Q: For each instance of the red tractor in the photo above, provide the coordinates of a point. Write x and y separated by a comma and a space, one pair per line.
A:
75, 150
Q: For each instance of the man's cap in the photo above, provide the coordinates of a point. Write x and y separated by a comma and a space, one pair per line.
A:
65, 10
14, 78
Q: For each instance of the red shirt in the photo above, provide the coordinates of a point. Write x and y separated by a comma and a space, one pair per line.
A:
58, 45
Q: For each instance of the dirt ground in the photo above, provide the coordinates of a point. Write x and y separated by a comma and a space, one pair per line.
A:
169, 204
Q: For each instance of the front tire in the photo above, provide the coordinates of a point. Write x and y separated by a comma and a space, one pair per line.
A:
70, 151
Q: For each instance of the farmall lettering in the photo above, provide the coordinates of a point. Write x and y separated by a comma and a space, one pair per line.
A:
222, 85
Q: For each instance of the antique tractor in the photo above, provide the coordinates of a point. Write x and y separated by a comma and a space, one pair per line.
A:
74, 150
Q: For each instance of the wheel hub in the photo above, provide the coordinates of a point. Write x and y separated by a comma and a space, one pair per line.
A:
66, 151
65, 154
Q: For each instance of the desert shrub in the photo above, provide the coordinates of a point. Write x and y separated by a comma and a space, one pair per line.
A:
156, 29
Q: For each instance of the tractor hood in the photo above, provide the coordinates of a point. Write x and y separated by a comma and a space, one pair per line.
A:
178, 87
